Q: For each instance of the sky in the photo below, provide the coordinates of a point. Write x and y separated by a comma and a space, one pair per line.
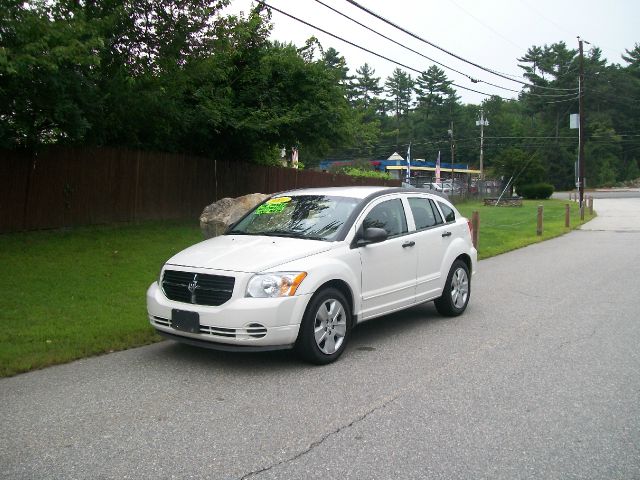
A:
491, 33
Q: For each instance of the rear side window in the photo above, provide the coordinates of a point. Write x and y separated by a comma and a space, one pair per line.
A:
388, 215
423, 213
449, 214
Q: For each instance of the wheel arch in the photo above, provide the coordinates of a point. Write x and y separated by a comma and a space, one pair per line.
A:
467, 261
344, 288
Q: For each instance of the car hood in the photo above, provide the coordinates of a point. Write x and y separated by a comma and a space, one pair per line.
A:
243, 253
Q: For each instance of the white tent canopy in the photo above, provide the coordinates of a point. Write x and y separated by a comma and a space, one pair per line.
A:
395, 156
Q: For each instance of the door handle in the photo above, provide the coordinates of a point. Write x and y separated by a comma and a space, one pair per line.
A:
408, 244
446, 234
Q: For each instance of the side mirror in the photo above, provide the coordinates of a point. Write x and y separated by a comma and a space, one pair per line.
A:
372, 235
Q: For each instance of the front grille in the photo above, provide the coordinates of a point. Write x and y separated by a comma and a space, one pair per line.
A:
197, 288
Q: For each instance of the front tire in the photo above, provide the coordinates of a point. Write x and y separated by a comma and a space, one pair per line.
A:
457, 291
325, 327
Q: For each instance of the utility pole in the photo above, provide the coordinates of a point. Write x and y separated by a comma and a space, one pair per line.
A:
581, 123
482, 123
453, 155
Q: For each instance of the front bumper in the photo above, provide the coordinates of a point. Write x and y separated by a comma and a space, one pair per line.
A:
224, 347
242, 322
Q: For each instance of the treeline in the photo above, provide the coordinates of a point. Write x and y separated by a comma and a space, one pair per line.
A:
179, 76
528, 138
167, 75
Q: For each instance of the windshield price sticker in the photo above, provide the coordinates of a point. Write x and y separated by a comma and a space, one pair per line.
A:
275, 205
279, 200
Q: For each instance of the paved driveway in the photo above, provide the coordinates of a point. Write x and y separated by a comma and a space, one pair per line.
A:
539, 379
615, 215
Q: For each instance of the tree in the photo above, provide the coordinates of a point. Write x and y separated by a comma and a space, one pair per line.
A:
399, 88
46, 80
432, 87
633, 59
533, 57
366, 86
338, 65
522, 168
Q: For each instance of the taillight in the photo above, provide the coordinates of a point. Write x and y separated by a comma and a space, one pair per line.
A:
470, 225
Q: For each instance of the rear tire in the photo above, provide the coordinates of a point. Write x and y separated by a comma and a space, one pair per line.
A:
457, 291
325, 327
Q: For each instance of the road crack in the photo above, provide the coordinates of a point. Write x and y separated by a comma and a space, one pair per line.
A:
381, 405
577, 340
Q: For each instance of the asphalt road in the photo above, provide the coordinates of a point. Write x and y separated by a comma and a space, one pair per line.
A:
539, 379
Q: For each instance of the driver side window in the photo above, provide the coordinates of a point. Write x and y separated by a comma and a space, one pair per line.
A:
388, 215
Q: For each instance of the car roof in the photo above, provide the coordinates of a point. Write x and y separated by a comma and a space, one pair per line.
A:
361, 192
353, 192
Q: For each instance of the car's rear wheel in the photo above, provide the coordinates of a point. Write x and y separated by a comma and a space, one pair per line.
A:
325, 327
457, 291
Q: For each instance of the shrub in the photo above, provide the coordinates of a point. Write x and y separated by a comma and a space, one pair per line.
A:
535, 190
357, 172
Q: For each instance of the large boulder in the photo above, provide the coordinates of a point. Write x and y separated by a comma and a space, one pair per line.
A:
217, 217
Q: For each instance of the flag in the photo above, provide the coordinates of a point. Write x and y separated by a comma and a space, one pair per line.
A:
408, 178
438, 168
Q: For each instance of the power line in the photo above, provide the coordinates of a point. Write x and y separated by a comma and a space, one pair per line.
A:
417, 37
488, 27
262, 2
565, 100
474, 80
293, 17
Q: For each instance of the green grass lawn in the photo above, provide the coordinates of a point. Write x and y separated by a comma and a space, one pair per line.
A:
506, 228
71, 294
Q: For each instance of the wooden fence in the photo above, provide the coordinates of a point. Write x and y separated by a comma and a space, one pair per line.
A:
71, 187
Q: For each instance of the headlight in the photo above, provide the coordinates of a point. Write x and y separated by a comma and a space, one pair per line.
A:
160, 275
276, 284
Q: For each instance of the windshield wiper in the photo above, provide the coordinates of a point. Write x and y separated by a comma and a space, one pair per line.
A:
277, 233
290, 234
281, 233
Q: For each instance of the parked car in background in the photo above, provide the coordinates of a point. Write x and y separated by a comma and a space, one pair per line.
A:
432, 188
443, 187
306, 266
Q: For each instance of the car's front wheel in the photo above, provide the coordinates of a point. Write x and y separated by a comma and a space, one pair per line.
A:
325, 327
457, 291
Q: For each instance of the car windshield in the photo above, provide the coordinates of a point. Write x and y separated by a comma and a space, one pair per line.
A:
314, 217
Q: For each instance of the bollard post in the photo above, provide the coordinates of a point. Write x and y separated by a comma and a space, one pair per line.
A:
567, 215
591, 205
475, 224
582, 211
539, 229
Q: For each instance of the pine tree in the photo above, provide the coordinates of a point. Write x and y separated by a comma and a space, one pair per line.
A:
399, 87
432, 87
366, 86
633, 59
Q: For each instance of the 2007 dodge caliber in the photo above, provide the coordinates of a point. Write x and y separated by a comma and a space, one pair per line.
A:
304, 267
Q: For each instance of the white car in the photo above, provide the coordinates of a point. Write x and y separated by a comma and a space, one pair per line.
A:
306, 266
440, 187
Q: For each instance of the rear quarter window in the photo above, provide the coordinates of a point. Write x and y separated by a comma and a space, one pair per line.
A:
424, 212
447, 211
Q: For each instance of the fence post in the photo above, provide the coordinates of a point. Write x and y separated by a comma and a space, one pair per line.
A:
567, 215
539, 229
475, 225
